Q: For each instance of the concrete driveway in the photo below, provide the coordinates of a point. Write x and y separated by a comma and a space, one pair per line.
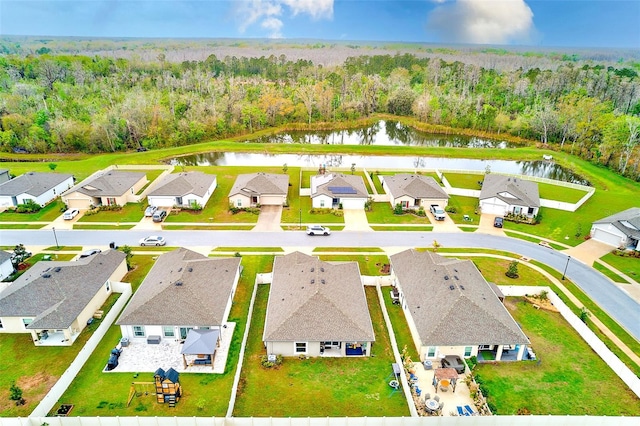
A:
269, 219
355, 220
486, 225
589, 251
446, 225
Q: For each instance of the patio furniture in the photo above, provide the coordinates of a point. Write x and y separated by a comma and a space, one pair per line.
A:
461, 411
153, 340
470, 410
449, 374
427, 396
444, 385
467, 218
394, 384
436, 398
431, 404
428, 365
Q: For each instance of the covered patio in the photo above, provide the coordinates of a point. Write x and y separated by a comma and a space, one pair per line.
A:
200, 345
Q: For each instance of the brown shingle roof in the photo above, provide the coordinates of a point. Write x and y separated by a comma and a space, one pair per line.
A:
451, 303
312, 300
181, 184
261, 184
525, 191
340, 180
32, 183
55, 293
113, 183
200, 298
415, 186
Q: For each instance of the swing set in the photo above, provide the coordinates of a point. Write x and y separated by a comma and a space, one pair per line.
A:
140, 388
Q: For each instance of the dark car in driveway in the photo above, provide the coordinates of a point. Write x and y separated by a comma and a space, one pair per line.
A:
453, 361
497, 222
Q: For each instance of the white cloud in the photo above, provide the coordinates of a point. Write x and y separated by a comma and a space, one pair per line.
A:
274, 26
268, 13
483, 21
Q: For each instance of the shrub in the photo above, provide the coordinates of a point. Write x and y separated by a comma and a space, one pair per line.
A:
29, 206
338, 213
398, 209
421, 212
264, 361
451, 209
15, 393
512, 271
472, 362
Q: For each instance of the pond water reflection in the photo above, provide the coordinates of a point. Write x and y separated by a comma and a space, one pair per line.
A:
382, 133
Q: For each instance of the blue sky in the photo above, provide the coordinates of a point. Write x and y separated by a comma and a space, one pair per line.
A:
563, 23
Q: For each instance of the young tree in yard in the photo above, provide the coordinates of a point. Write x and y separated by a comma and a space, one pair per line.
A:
128, 251
19, 255
512, 271
52, 166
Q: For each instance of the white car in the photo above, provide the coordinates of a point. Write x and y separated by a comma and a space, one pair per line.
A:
70, 214
153, 240
318, 230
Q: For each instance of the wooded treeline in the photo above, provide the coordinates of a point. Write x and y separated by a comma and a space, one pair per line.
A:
64, 103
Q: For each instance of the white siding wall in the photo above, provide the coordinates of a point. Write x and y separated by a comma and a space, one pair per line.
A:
316, 201
239, 200
6, 269
13, 325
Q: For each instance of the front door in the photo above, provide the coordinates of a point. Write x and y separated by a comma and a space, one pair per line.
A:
184, 331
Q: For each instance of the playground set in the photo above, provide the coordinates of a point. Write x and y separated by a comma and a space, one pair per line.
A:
166, 387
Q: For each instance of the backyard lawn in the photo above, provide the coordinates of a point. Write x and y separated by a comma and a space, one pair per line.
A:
47, 214
319, 387
493, 270
627, 265
464, 206
369, 265
95, 393
569, 379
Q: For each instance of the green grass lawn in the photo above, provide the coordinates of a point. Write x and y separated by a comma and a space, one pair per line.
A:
369, 264
348, 249
100, 226
319, 387
532, 239
560, 193
464, 206
130, 212
248, 249
609, 273
95, 393
47, 214
569, 380
19, 226
464, 180
400, 326
426, 228
382, 213
35, 369
627, 265
493, 270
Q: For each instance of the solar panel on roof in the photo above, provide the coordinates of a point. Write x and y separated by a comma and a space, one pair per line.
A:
342, 190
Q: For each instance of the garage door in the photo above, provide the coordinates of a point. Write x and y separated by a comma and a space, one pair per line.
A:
352, 203
489, 208
80, 204
606, 237
271, 200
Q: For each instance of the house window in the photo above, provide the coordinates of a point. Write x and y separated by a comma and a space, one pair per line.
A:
431, 352
467, 351
138, 331
530, 211
26, 321
111, 201
108, 285
239, 202
301, 347
1, 326
168, 331
178, 201
517, 210
321, 203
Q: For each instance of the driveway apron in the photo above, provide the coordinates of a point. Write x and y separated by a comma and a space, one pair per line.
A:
356, 220
269, 219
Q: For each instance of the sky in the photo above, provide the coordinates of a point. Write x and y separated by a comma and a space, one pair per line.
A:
549, 23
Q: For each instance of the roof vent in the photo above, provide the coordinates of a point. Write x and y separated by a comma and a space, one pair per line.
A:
313, 269
446, 277
452, 287
57, 269
323, 281
321, 269
455, 270
180, 270
456, 277
313, 281
178, 283
46, 275
190, 269
461, 287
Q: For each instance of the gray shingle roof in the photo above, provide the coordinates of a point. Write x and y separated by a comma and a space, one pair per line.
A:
4, 256
113, 183
525, 191
32, 183
627, 221
341, 181
300, 309
181, 184
200, 300
415, 186
260, 184
55, 293
468, 314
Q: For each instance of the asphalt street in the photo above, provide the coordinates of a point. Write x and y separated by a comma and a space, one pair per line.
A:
620, 306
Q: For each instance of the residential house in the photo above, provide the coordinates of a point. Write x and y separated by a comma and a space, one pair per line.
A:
41, 188
452, 310
414, 191
502, 195
4, 175
337, 190
113, 187
186, 189
6, 266
253, 189
317, 308
184, 290
619, 230
54, 300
